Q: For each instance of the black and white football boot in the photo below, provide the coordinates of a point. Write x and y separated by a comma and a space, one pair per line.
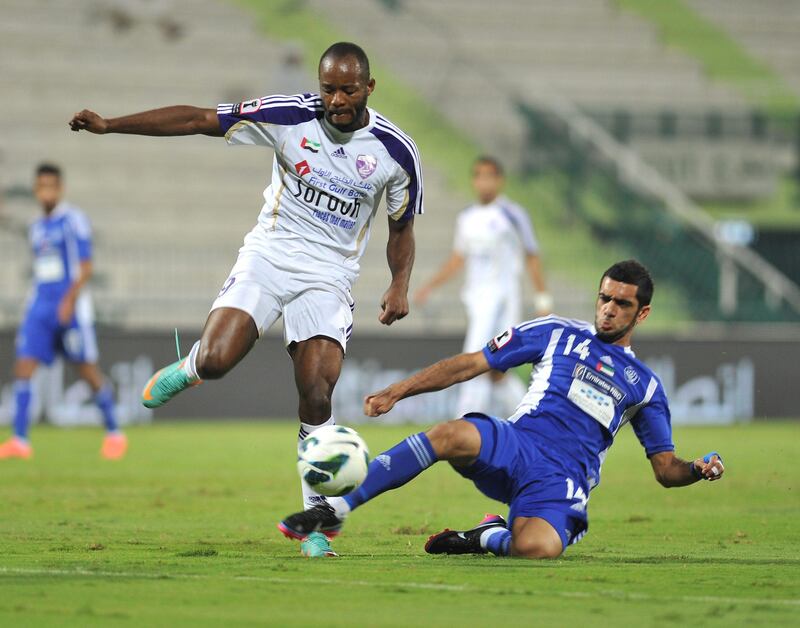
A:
463, 542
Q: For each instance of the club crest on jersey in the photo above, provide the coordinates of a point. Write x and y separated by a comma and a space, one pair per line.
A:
302, 168
310, 145
249, 106
498, 342
366, 165
339, 152
631, 375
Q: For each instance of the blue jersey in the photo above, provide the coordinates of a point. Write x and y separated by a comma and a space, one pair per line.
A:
582, 391
60, 242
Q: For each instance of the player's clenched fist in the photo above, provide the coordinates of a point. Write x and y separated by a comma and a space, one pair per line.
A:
394, 306
88, 121
379, 403
710, 467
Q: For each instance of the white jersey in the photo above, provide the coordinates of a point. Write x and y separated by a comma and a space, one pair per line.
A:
326, 185
493, 239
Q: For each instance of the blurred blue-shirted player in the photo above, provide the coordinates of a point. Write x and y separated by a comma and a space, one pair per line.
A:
58, 315
545, 459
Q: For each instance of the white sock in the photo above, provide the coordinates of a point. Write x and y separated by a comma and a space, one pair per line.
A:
487, 534
310, 497
340, 507
189, 366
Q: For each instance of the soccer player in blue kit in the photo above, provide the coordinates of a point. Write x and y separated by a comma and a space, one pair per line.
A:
58, 315
545, 459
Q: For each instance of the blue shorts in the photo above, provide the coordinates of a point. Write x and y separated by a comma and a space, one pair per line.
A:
41, 336
531, 479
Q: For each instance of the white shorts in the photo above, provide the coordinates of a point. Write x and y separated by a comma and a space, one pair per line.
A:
488, 315
311, 305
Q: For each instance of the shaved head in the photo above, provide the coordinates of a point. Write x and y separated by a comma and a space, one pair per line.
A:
349, 53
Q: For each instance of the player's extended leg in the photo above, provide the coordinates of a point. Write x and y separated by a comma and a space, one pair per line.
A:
529, 537
115, 443
456, 441
317, 366
18, 446
228, 336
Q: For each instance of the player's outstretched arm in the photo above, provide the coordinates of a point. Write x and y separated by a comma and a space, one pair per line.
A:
400, 255
438, 376
446, 272
167, 121
671, 471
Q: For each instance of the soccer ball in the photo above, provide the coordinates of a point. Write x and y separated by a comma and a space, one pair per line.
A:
333, 460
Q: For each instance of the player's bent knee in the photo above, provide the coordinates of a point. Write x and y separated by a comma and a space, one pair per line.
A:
315, 405
454, 439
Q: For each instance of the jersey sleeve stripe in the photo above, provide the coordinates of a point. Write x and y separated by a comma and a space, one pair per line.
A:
396, 130
281, 110
634, 409
300, 100
522, 224
553, 319
404, 153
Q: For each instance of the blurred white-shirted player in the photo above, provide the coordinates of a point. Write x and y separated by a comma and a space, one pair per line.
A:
493, 238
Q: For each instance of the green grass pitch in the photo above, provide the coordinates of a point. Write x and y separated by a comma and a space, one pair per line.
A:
182, 532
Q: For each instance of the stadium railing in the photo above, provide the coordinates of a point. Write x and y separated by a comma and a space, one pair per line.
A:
625, 200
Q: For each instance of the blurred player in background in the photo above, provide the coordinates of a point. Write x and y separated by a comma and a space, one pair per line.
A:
59, 316
492, 238
334, 159
543, 461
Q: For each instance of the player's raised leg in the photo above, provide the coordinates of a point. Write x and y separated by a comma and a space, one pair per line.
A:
456, 441
228, 336
18, 446
317, 365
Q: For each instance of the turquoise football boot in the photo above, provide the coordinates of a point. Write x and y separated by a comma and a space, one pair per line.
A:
316, 545
165, 384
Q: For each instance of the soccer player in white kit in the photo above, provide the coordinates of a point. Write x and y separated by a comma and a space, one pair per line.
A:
334, 159
492, 237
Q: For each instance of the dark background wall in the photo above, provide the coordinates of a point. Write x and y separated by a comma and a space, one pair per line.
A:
711, 381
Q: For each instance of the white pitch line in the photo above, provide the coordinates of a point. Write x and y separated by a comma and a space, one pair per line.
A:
607, 593
183, 576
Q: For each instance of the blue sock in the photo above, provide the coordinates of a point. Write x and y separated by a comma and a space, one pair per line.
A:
104, 398
393, 468
22, 417
497, 541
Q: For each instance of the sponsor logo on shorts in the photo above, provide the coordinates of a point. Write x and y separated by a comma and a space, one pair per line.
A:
302, 168
366, 165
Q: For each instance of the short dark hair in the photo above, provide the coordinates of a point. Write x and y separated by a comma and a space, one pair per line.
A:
48, 168
348, 49
491, 161
633, 272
